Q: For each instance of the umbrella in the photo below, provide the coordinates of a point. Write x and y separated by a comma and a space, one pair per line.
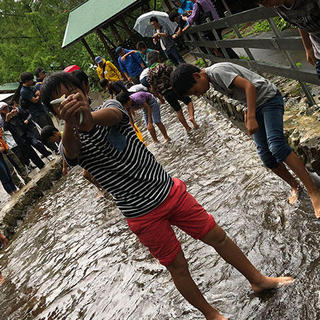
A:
144, 27
71, 68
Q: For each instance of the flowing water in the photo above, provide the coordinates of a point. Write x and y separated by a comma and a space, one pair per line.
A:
75, 258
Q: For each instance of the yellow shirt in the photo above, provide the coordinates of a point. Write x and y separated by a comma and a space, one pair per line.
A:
109, 71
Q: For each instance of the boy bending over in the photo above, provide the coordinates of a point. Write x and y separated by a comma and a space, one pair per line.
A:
263, 118
105, 145
159, 79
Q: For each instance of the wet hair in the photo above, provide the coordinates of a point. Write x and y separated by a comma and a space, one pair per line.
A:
52, 84
141, 45
182, 78
104, 83
47, 132
81, 76
154, 19
123, 98
38, 71
153, 57
173, 14
26, 76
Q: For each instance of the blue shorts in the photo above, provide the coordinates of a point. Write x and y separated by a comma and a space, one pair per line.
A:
155, 112
270, 140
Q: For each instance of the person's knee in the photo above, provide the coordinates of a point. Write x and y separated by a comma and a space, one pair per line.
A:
279, 150
216, 237
179, 266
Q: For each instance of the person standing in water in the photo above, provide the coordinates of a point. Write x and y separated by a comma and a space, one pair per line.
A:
149, 198
263, 118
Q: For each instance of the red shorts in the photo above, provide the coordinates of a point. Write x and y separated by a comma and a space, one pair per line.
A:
179, 209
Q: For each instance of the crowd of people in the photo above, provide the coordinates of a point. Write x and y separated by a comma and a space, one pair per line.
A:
104, 141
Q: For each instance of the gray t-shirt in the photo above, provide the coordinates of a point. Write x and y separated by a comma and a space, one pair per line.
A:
221, 76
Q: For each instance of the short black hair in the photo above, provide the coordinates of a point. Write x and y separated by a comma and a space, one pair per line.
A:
104, 83
38, 71
52, 84
182, 79
47, 132
154, 19
123, 97
141, 45
26, 76
173, 14
81, 76
153, 57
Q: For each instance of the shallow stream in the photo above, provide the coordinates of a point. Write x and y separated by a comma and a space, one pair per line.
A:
75, 258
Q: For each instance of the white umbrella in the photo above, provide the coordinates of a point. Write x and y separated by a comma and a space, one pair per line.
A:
144, 27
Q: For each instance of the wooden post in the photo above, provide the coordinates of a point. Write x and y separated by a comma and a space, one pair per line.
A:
168, 4
85, 43
105, 44
116, 33
129, 31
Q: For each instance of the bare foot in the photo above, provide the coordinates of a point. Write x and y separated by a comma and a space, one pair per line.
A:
167, 140
215, 315
155, 141
295, 193
315, 199
271, 283
195, 125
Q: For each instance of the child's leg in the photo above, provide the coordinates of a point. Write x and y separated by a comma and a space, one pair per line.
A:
297, 166
156, 118
163, 130
172, 99
273, 122
153, 134
151, 129
187, 287
232, 254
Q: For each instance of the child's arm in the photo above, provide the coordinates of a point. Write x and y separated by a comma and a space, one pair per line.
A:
250, 91
149, 113
308, 47
128, 54
69, 112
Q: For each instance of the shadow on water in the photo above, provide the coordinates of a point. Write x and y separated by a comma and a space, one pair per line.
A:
75, 258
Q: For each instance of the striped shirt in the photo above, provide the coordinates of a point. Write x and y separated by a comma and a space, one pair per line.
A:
123, 166
306, 16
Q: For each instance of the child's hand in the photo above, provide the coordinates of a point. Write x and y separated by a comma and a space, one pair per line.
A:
251, 124
71, 108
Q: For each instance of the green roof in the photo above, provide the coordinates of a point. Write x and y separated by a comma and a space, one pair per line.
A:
92, 15
7, 87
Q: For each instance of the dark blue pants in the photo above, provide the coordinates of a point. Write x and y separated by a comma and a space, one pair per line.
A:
270, 140
5, 177
174, 55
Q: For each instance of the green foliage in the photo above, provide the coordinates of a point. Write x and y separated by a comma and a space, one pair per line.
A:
299, 64
244, 58
200, 63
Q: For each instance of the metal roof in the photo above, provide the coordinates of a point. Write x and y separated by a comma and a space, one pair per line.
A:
4, 96
9, 87
92, 15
